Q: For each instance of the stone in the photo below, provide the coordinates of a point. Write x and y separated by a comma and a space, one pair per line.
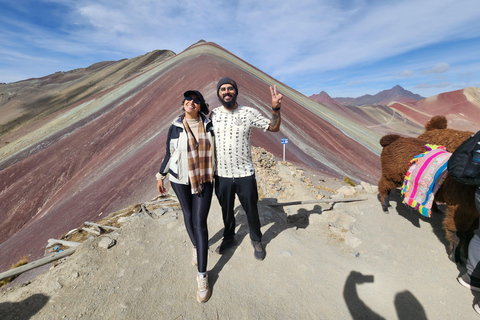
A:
122, 220
346, 221
56, 285
338, 195
368, 187
351, 240
347, 191
336, 230
106, 243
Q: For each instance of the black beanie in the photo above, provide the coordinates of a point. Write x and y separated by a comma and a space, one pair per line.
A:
225, 81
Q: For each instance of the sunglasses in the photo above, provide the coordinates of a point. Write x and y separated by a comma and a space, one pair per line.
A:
197, 101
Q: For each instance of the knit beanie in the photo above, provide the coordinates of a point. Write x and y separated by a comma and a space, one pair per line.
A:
225, 81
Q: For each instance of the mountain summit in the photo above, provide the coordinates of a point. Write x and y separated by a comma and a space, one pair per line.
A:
323, 97
384, 97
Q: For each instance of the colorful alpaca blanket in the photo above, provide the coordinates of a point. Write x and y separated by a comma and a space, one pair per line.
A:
424, 177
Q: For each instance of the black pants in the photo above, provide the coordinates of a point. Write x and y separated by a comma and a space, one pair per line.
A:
246, 190
477, 199
195, 212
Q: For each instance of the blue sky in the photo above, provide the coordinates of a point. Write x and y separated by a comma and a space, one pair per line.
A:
345, 48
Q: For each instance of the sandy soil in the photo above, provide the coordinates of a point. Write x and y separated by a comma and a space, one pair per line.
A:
347, 260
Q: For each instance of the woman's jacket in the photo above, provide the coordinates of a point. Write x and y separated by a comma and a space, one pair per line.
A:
175, 162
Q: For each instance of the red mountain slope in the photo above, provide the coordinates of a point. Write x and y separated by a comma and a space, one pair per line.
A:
96, 145
461, 107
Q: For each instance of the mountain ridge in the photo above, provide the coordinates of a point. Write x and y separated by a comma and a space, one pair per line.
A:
396, 93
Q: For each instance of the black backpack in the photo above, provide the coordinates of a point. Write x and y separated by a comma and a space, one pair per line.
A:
464, 164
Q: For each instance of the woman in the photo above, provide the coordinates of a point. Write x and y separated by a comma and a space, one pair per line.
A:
189, 160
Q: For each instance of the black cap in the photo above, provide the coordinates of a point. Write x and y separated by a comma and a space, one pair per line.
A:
203, 105
225, 81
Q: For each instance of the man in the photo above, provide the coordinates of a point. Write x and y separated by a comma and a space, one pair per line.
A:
464, 166
233, 125
471, 279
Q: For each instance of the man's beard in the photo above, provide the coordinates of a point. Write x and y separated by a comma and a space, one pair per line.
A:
230, 104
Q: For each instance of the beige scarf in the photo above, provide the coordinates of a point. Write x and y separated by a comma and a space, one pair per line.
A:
199, 157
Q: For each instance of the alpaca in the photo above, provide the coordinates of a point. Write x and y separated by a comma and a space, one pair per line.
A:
461, 216
436, 132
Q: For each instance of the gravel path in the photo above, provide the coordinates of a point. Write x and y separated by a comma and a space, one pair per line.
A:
324, 261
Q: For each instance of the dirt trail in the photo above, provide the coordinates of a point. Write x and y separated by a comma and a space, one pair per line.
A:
324, 261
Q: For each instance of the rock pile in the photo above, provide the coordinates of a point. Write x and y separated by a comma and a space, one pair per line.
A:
282, 181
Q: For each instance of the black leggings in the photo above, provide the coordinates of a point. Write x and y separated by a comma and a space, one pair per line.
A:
195, 212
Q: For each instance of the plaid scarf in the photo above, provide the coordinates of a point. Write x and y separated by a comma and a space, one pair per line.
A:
199, 157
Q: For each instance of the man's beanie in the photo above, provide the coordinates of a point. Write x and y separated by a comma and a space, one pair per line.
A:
225, 81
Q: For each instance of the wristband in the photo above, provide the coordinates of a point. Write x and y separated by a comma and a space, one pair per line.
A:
160, 177
276, 109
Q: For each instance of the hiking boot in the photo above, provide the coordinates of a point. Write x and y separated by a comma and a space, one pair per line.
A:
203, 290
194, 257
226, 243
259, 252
471, 283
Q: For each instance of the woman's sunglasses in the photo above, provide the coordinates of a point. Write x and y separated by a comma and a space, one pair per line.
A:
197, 101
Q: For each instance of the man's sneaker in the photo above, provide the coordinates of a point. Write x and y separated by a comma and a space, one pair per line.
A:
476, 307
471, 283
194, 257
203, 289
259, 252
226, 243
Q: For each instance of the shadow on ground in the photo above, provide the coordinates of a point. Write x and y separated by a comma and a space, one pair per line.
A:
414, 217
406, 305
23, 310
276, 217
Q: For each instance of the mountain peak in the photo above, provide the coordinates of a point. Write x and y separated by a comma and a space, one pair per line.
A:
397, 93
322, 97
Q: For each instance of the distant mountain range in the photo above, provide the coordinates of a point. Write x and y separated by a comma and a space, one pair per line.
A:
383, 98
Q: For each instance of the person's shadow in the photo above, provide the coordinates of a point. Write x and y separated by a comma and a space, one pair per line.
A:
276, 216
414, 217
240, 219
406, 305
280, 220
23, 310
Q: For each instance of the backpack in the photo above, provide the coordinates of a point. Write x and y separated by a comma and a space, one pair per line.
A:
464, 164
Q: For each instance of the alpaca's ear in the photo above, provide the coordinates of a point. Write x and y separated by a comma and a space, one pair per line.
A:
388, 139
436, 122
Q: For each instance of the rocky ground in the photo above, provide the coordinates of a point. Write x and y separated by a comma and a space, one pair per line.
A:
325, 260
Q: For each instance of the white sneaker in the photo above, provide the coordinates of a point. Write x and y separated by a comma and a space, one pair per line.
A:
476, 307
468, 282
203, 291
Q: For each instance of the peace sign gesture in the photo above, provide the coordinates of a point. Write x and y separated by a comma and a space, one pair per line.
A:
276, 97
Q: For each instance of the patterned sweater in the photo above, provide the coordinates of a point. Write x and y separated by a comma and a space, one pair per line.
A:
233, 134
